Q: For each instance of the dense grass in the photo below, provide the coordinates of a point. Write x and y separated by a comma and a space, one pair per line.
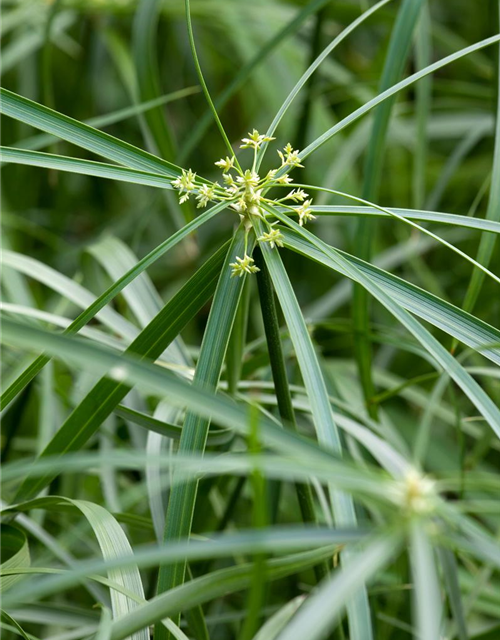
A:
230, 411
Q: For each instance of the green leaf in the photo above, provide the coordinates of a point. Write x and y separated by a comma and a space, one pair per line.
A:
393, 90
236, 346
277, 540
479, 224
9, 620
245, 72
37, 365
107, 393
144, 43
280, 380
427, 596
273, 626
394, 65
116, 258
195, 429
326, 429
423, 107
457, 323
395, 61
487, 244
319, 612
82, 135
199, 73
409, 222
104, 631
43, 139
210, 587
15, 554
451, 579
444, 359
69, 289
312, 68
143, 299
114, 544
83, 167
217, 436
32, 40
60, 321
158, 380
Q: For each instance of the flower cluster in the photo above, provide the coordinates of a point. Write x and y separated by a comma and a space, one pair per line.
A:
415, 493
245, 192
185, 184
242, 266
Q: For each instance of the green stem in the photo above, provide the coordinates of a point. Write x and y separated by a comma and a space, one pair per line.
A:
195, 429
204, 84
234, 357
258, 590
283, 396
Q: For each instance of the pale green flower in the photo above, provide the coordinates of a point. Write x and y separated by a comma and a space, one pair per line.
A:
240, 206
284, 179
185, 184
249, 179
290, 157
297, 195
206, 194
242, 266
415, 493
225, 164
305, 212
274, 238
254, 140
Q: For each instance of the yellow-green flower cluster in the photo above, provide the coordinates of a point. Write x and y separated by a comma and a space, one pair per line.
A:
245, 192
242, 266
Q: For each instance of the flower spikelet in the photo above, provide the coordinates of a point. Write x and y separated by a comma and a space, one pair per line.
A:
304, 212
242, 266
185, 183
290, 157
226, 164
255, 140
206, 194
274, 238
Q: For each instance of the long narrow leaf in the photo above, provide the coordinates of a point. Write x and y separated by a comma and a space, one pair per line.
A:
82, 135
453, 219
37, 365
326, 429
487, 244
427, 597
83, 167
108, 392
312, 68
318, 614
393, 90
470, 387
457, 323
195, 429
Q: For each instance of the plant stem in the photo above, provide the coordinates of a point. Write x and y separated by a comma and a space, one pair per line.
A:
258, 589
283, 396
183, 494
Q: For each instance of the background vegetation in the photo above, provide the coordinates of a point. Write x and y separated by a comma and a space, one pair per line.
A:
380, 519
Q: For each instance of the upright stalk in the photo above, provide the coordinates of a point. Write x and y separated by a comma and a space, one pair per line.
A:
282, 389
195, 429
